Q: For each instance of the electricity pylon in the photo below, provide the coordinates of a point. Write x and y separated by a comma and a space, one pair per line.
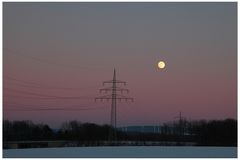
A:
114, 97
181, 123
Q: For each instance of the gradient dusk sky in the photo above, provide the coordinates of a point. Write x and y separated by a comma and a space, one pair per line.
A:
68, 49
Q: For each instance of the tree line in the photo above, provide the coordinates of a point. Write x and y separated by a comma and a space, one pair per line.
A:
206, 133
202, 132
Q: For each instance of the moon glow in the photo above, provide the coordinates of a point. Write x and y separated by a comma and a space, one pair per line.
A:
161, 64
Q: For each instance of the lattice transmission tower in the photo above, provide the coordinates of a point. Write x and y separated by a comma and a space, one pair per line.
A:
181, 124
114, 89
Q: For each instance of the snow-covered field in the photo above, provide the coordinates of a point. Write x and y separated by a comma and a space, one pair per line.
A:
127, 151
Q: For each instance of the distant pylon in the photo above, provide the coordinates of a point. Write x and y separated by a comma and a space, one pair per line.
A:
181, 121
114, 97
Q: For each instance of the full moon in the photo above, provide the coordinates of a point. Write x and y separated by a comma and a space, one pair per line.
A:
161, 64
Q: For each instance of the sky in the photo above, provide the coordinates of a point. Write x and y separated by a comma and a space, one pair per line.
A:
57, 55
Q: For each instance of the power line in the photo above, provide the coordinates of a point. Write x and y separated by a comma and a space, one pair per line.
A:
14, 105
55, 109
44, 95
45, 98
42, 106
38, 87
32, 84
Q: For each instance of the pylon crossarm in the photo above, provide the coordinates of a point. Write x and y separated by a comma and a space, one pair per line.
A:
121, 96
111, 81
116, 81
126, 99
101, 99
122, 90
105, 96
110, 89
105, 90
